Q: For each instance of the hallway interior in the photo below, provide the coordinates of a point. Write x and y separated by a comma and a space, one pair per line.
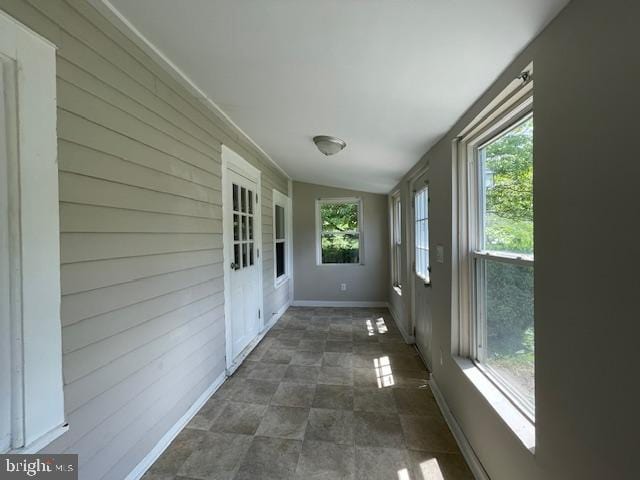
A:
329, 393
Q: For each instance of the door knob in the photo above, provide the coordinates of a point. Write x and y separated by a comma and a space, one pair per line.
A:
234, 266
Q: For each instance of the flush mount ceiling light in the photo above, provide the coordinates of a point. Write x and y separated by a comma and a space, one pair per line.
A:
329, 145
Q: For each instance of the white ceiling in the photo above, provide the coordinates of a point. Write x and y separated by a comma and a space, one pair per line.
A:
389, 77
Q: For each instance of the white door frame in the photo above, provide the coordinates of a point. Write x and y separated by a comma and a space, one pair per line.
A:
231, 159
411, 227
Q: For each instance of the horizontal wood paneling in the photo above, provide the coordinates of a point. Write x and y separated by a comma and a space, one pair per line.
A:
141, 238
106, 403
93, 219
95, 302
106, 377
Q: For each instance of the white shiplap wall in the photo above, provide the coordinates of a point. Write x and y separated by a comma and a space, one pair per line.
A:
141, 238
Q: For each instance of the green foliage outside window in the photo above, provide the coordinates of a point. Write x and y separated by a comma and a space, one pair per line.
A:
508, 177
340, 233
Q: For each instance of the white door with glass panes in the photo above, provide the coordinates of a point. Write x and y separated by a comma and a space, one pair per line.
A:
422, 296
244, 276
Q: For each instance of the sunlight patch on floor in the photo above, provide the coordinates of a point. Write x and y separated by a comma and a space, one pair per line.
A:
382, 327
403, 474
370, 329
431, 469
384, 375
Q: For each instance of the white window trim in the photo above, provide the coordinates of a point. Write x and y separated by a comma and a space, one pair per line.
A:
513, 104
31, 250
360, 230
285, 202
395, 228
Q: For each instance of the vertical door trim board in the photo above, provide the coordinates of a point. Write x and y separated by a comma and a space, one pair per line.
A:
240, 165
411, 248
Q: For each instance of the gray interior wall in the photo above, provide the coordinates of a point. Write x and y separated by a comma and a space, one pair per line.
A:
586, 102
365, 283
141, 238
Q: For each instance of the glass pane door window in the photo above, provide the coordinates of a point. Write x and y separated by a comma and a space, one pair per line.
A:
422, 263
503, 262
243, 227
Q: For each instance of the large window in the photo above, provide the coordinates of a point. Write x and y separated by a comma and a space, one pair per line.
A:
421, 208
497, 182
396, 240
280, 237
339, 231
504, 260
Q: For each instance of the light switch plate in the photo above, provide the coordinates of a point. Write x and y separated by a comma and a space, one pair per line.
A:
439, 254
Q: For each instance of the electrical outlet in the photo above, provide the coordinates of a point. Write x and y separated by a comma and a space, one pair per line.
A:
439, 254
343, 287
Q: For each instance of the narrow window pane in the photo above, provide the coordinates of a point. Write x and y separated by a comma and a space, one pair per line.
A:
398, 222
250, 201
236, 255
422, 234
244, 227
340, 248
509, 331
243, 200
279, 222
244, 255
235, 198
236, 227
280, 259
251, 253
507, 178
250, 227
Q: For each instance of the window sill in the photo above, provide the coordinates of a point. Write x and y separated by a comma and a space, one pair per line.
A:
278, 282
340, 264
517, 422
397, 289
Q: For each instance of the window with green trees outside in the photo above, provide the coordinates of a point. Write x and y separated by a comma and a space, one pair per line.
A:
339, 231
503, 263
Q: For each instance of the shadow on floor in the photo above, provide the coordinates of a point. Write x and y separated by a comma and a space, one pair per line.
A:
329, 393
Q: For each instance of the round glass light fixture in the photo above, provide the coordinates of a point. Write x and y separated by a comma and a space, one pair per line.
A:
329, 145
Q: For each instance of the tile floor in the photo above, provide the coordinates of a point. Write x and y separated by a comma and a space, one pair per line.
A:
329, 393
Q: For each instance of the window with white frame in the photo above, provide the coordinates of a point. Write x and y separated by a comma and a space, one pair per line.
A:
421, 209
281, 212
497, 180
396, 240
339, 238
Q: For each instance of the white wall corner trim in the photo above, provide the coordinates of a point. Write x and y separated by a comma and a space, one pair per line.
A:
332, 303
31, 383
465, 447
173, 432
410, 339
111, 13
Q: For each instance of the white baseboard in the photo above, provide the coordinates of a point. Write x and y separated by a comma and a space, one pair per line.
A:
254, 343
396, 318
465, 447
276, 316
332, 303
168, 437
